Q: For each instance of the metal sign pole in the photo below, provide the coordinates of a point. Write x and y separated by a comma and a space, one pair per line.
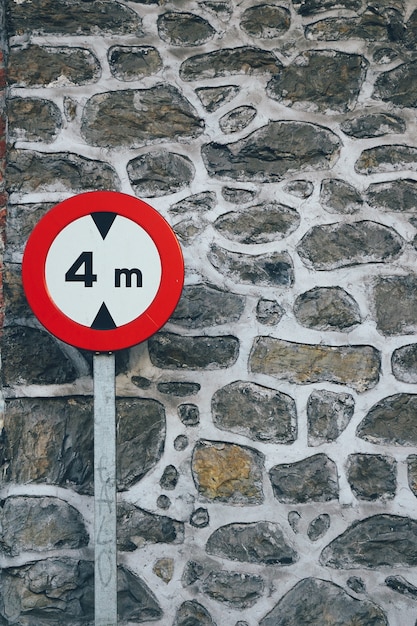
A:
105, 551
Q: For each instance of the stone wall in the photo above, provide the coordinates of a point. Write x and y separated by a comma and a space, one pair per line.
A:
267, 469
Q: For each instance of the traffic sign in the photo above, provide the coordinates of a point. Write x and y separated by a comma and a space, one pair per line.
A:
103, 271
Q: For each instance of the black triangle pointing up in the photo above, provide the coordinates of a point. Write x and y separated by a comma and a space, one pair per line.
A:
103, 320
103, 220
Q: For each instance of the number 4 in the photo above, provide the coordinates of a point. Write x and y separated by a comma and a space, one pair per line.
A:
73, 275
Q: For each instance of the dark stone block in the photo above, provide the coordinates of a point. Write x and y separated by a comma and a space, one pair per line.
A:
391, 421
33, 119
268, 312
390, 158
265, 21
237, 119
396, 195
327, 308
311, 7
137, 527
395, 304
404, 363
192, 613
229, 61
184, 29
201, 306
373, 125
214, 97
337, 196
398, 86
375, 542
204, 201
170, 351
135, 601
189, 414
134, 62
318, 527
372, 476
169, 478
159, 173
178, 388
328, 414
313, 479
235, 589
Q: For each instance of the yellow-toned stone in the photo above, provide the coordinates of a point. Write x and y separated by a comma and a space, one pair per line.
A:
228, 472
164, 569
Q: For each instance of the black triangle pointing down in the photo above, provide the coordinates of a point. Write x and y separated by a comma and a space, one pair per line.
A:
103, 320
103, 220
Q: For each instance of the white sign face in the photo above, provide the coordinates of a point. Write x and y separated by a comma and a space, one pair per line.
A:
103, 270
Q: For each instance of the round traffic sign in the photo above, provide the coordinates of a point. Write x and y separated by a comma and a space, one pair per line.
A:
103, 271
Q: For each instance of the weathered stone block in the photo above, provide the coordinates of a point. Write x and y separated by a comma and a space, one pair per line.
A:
373, 125
401, 585
404, 363
170, 351
28, 171
179, 389
143, 116
189, 414
137, 528
159, 173
395, 304
184, 29
33, 119
229, 61
272, 151
257, 412
311, 7
328, 414
257, 542
398, 86
330, 246
394, 195
382, 159
268, 312
135, 601
238, 196
324, 80
370, 26
269, 269
372, 476
198, 202
391, 421
262, 223
202, 306
356, 366
338, 196
237, 119
265, 21
327, 308
192, 612
236, 589
319, 602
311, 480
40, 524
40, 66
226, 472
169, 478
377, 541
214, 97
133, 62
318, 527
21, 220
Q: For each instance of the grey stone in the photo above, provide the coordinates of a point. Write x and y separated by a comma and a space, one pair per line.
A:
372, 476
396, 195
382, 159
262, 223
370, 26
169, 478
193, 571
40, 66
192, 613
395, 303
404, 363
398, 86
133, 62
235, 589
238, 196
313, 479
318, 527
257, 412
330, 246
201, 306
181, 443
412, 473
385, 55
136, 528
271, 269
163, 502
391, 421
17, 305
141, 426
375, 542
299, 188
373, 125
256, 542
143, 116
204, 201
179, 389
33, 172
184, 29
237, 119
327, 308
21, 220
141, 382
311, 7
401, 585
50, 441
200, 518
356, 366
171, 351
268, 312
273, 151
32, 357
223, 9
33, 119
213, 98
227, 472
187, 229
294, 519
338, 196
324, 81
69, 17
229, 61
159, 173
328, 414
356, 584
189, 414
39, 524
265, 21
135, 601
59, 590
322, 603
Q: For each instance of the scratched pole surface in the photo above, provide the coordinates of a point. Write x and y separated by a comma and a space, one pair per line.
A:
105, 564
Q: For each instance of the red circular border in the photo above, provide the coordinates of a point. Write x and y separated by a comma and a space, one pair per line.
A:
59, 324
